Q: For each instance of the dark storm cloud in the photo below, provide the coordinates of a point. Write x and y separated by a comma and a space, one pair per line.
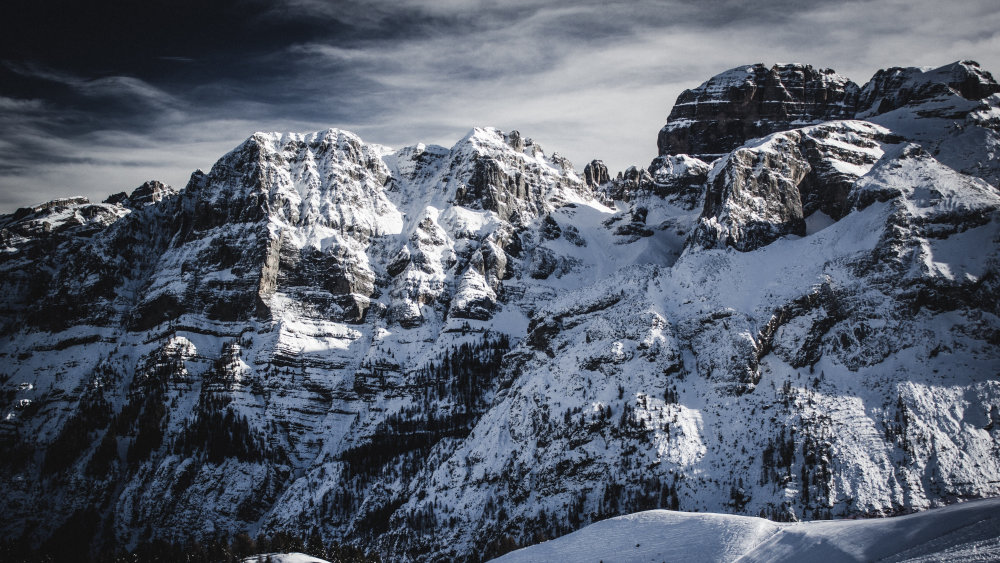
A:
99, 97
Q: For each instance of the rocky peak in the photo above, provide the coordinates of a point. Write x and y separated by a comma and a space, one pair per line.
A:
752, 101
596, 173
668, 168
294, 179
43, 209
950, 111
415, 164
766, 189
968, 78
753, 196
515, 141
70, 215
150, 192
896, 87
510, 175
54, 204
838, 154
629, 184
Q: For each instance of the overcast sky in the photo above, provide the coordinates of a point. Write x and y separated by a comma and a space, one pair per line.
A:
98, 97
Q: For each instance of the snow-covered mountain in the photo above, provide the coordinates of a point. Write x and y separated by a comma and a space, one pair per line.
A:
446, 353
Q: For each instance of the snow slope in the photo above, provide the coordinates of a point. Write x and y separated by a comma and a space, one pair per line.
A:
964, 532
283, 558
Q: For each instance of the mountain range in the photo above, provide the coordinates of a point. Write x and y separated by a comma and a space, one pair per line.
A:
440, 353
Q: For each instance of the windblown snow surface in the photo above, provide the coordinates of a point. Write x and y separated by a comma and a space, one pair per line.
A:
964, 532
283, 558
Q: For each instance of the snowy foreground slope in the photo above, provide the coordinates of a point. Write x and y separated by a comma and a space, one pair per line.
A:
964, 532
447, 353
283, 558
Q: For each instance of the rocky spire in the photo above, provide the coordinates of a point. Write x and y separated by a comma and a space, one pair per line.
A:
596, 173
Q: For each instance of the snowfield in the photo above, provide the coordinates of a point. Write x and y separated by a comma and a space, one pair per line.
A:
283, 558
963, 532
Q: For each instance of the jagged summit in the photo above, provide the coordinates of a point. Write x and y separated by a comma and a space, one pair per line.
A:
752, 101
70, 217
148, 193
763, 189
896, 87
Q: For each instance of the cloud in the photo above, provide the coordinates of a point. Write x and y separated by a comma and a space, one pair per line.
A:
115, 86
39, 166
20, 105
126, 89
589, 79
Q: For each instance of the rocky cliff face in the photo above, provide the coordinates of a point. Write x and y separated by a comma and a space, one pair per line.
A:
951, 111
764, 190
753, 101
442, 353
896, 87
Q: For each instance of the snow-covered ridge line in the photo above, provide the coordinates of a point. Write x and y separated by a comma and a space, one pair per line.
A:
964, 532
